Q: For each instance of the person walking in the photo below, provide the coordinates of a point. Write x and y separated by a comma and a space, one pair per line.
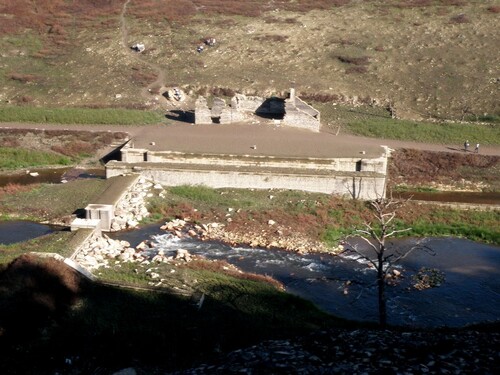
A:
476, 150
466, 145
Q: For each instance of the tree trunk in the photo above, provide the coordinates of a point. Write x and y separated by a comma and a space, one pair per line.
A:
382, 312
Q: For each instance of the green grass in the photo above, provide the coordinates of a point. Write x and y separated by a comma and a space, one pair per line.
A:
375, 122
463, 230
48, 201
15, 158
236, 313
79, 116
324, 217
56, 242
443, 133
146, 327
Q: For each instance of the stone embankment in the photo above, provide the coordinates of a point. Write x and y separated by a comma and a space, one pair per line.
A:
131, 209
104, 252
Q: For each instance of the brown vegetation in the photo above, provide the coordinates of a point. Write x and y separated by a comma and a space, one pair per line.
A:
57, 28
141, 77
427, 3
23, 78
425, 167
224, 267
66, 142
363, 60
74, 148
10, 188
271, 38
356, 69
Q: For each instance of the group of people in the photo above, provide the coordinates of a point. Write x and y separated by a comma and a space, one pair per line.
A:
466, 147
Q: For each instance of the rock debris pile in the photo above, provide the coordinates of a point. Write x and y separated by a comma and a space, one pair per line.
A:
105, 252
219, 232
132, 207
366, 352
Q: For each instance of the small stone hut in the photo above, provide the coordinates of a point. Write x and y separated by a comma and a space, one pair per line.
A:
291, 111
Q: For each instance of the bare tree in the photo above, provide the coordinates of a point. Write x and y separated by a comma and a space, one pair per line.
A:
375, 234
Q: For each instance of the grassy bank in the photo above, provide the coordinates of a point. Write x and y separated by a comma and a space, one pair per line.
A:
15, 158
48, 201
79, 116
56, 242
443, 133
376, 122
315, 216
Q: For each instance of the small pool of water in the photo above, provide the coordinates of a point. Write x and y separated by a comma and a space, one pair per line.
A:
50, 176
19, 231
452, 196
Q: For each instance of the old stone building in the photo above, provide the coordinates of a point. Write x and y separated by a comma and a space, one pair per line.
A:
291, 111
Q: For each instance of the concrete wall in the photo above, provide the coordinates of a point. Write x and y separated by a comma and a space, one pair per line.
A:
103, 212
301, 115
247, 103
378, 165
355, 185
133, 155
202, 114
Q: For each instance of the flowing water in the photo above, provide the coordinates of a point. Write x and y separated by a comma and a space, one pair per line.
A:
345, 287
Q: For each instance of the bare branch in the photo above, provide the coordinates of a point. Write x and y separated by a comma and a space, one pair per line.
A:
360, 254
372, 245
397, 231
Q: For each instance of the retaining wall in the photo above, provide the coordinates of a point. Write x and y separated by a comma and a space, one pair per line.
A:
354, 185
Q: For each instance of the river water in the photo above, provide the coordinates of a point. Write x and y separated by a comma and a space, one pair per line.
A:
470, 293
19, 231
50, 176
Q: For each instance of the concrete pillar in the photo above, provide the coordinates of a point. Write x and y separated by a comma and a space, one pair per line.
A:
292, 96
102, 212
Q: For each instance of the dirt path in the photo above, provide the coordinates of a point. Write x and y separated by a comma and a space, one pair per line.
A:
240, 139
160, 74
